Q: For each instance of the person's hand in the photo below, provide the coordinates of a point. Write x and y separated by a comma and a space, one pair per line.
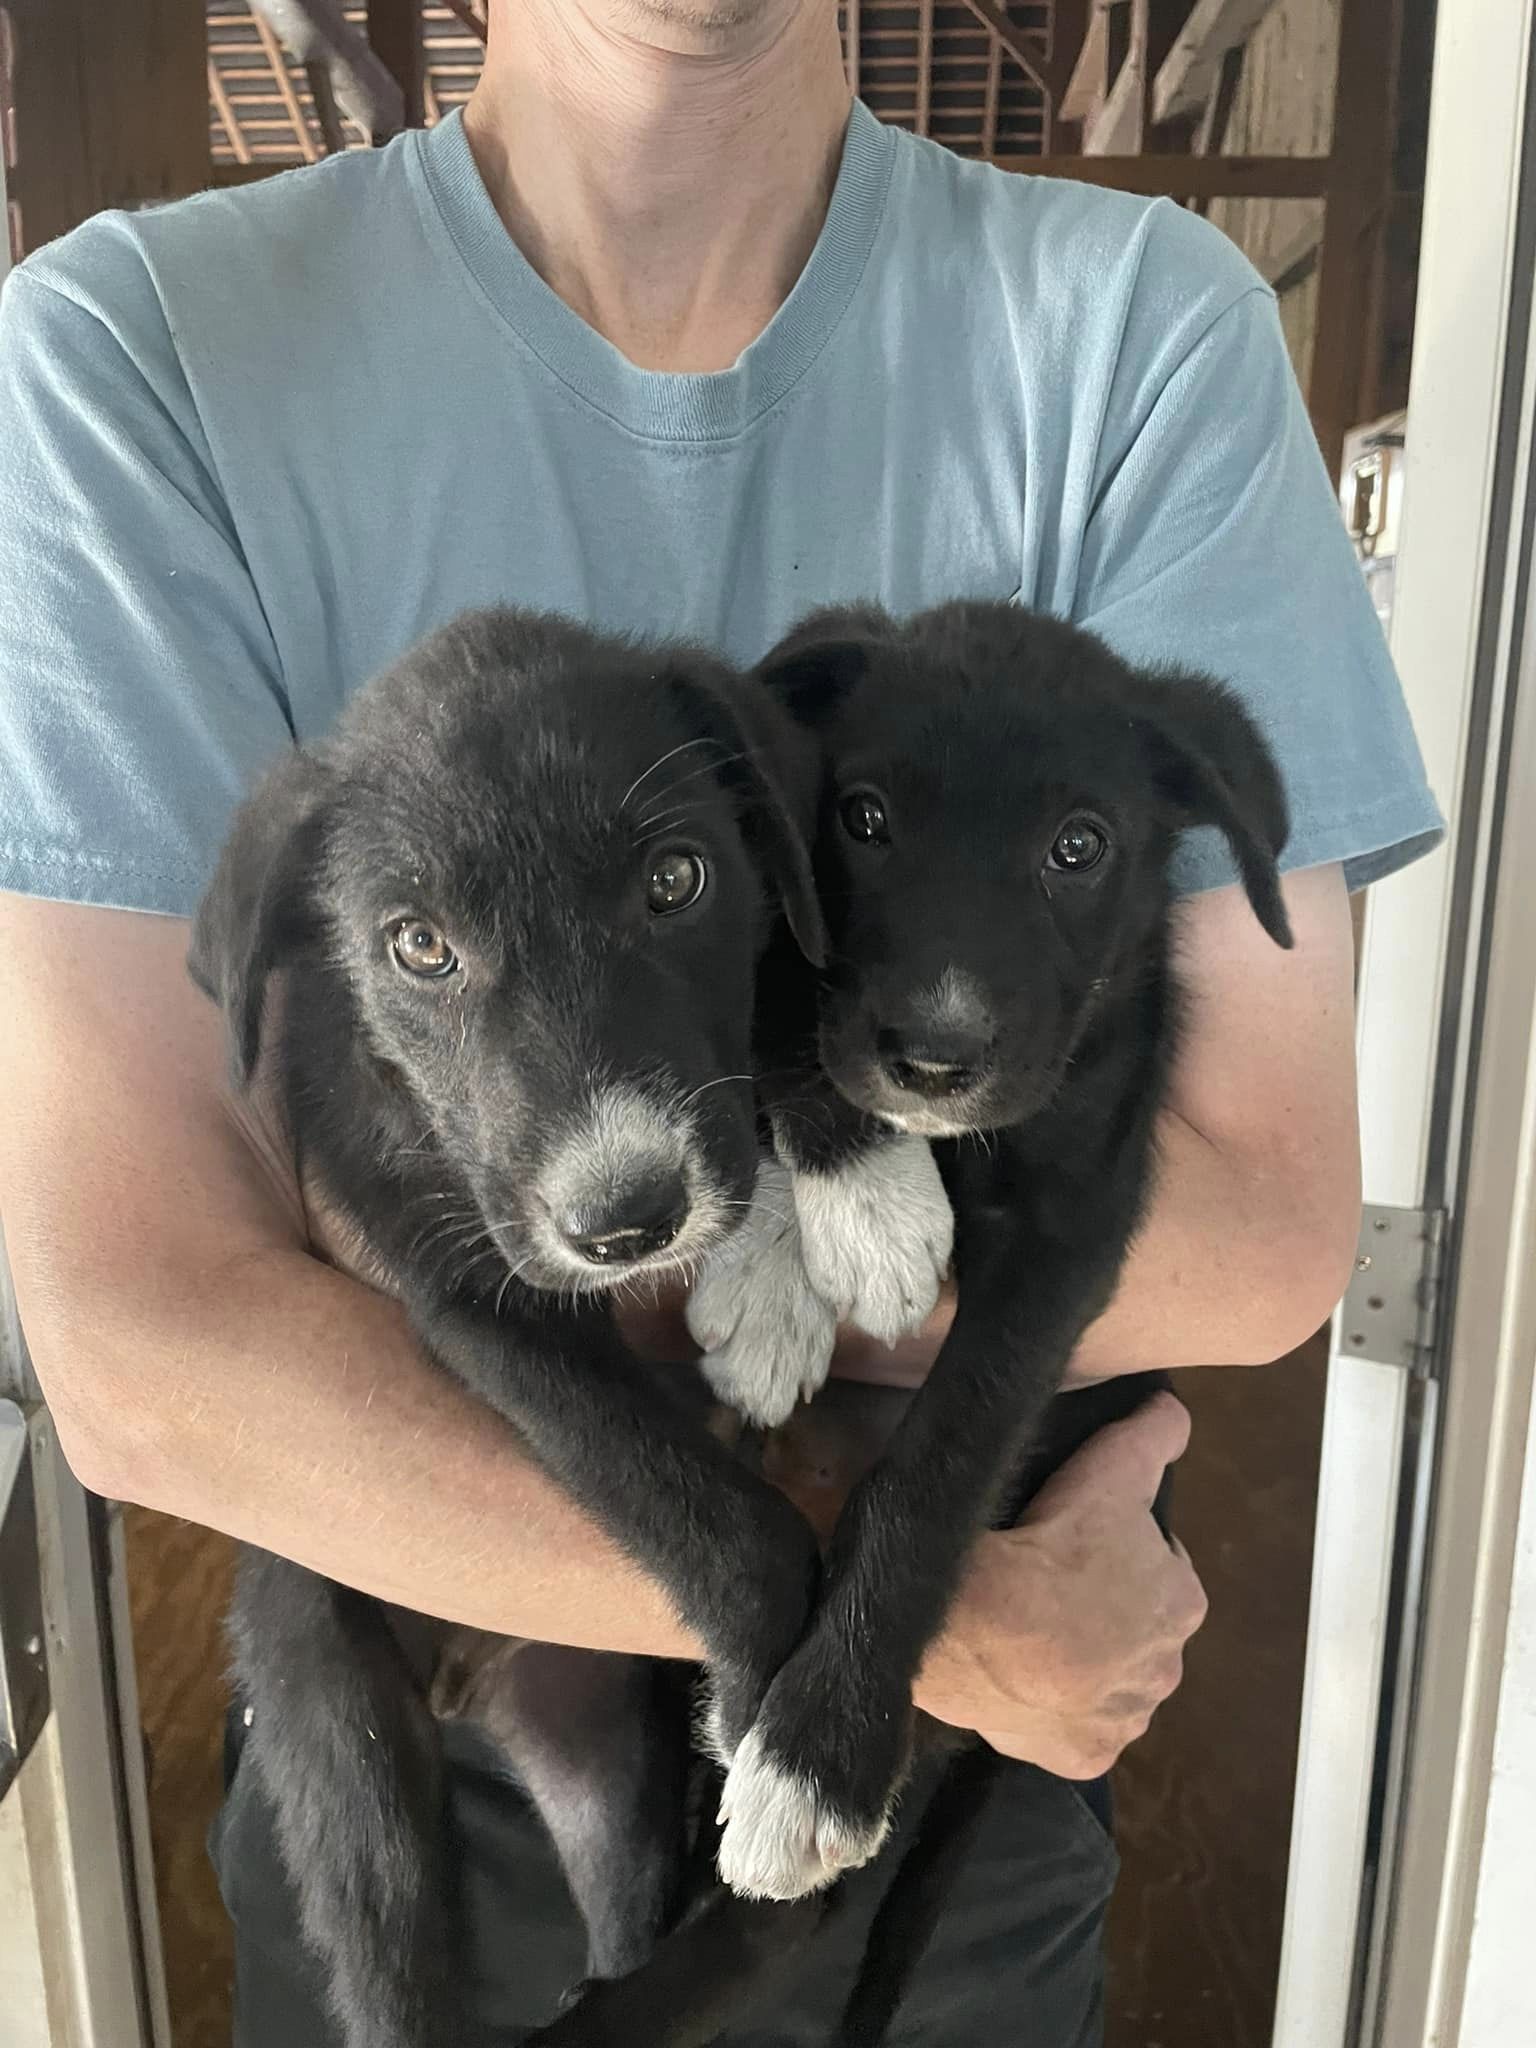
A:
1069, 1631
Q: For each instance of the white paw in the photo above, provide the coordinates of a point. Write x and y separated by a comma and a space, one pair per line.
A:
766, 1331
876, 1236
780, 1840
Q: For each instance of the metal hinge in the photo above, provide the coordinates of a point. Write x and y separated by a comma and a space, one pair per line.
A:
1390, 1312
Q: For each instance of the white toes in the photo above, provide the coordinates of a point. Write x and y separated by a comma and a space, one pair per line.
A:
766, 1331
876, 1236
780, 1840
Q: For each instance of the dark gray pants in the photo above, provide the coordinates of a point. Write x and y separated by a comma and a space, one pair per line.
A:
1016, 1961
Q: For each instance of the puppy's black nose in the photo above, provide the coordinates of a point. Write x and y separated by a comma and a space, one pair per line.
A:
933, 1062
640, 1219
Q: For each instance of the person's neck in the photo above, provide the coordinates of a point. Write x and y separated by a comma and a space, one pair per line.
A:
671, 196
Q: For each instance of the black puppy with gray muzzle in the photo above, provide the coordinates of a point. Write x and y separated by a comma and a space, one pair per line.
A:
518, 902
1000, 806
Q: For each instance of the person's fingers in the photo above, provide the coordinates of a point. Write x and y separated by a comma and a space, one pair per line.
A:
1192, 1605
1126, 1458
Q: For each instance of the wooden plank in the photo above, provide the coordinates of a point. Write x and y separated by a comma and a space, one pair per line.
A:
1187, 76
924, 64
1358, 194
110, 108
1187, 177
1114, 128
277, 57
226, 114
1295, 259
1211, 135
989, 108
465, 13
1012, 39
1088, 80
248, 173
394, 30
1069, 31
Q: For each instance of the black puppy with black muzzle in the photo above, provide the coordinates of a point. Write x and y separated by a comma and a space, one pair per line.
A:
1001, 802
518, 901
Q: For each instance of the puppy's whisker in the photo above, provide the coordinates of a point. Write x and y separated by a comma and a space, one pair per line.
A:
678, 782
657, 828
720, 1081
699, 740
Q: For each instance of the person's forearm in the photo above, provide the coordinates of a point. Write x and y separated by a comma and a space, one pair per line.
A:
288, 1405
1237, 1264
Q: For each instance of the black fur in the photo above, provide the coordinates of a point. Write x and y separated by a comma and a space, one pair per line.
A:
981, 731
504, 794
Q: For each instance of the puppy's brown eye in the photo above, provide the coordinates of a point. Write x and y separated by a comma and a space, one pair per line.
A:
676, 879
864, 818
421, 948
1079, 845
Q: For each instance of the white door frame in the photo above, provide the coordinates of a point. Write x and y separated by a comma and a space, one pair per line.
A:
1371, 1941
80, 1962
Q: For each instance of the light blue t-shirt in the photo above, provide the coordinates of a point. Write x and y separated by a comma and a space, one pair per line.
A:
254, 444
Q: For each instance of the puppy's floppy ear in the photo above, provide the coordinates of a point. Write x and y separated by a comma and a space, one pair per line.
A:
818, 662
775, 770
812, 679
257, 908
1214, 766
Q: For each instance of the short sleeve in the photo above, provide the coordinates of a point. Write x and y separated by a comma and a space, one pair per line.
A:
1214, 542
140, 690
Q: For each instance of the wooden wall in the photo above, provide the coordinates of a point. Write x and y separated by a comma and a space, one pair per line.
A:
1284, 107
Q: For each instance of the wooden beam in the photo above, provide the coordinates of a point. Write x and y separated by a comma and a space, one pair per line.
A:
277, 57
1069, 31
993, 99
109, 108
1358, 195
226, 114
1088, 80
319, 36
465, 12
1114, 128
327, 113
924, 65
1011, 36
1211, 135
248, 173
1186, 177
1295, 259
394, 30
1188, 74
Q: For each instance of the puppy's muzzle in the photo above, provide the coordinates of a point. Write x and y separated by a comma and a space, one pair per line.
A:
934, 1062
634, 1223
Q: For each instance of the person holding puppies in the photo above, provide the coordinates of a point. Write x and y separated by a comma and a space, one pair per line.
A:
664, 334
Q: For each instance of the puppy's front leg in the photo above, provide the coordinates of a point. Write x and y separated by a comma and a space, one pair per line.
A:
876, 1232
876, 1228
811, 1788
739, 1562
766, 1331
